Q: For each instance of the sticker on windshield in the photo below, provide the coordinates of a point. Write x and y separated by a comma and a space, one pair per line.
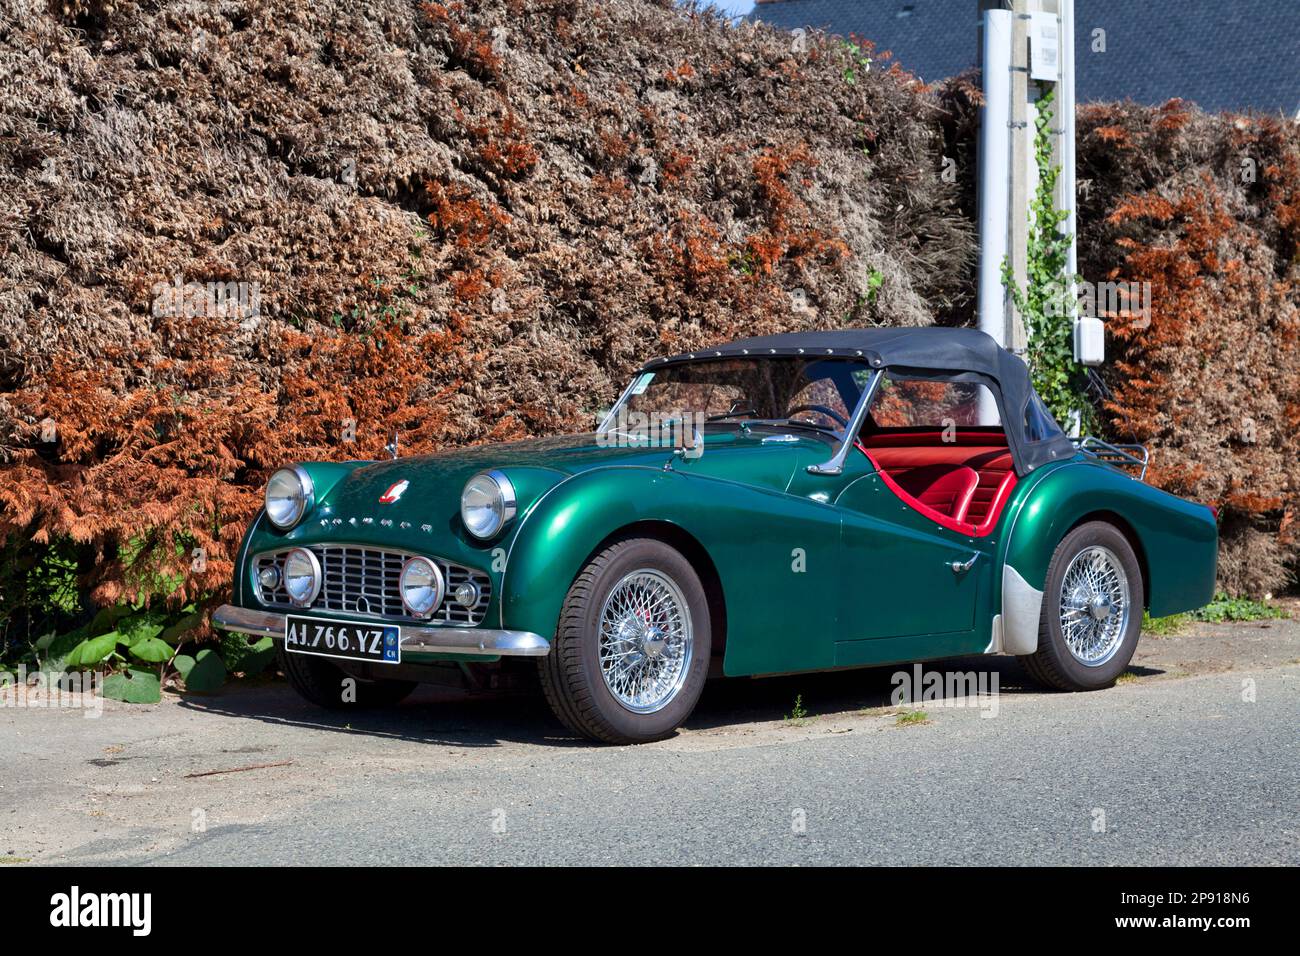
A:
642, 383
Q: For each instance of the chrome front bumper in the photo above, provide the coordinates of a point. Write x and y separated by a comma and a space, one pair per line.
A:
416, 641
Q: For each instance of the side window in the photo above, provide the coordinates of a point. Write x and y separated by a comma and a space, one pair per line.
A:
914, 403
1039, 423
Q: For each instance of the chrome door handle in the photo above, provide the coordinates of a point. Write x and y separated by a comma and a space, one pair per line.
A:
961, 567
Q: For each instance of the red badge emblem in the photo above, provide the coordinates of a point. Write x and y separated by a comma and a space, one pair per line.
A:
393, 493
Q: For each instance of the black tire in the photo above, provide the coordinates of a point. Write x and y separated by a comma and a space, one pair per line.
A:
322, 682
571, 674
1053, 664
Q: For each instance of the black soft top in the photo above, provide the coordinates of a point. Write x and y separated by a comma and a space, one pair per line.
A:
949, 354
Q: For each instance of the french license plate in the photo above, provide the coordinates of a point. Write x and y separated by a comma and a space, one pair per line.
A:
380, 643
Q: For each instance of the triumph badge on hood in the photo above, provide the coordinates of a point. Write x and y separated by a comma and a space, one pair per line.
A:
394, 492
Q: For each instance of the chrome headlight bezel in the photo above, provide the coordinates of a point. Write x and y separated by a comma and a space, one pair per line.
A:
493, 507
303, 500
313, 569
435, 584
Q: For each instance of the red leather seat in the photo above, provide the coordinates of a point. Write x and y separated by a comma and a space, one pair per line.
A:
916, 465
946, 489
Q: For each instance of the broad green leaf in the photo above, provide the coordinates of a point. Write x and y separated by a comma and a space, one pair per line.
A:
151, 649
207, 673
261, 654
135, 686
92, 651
244, 657
106, 618
139, 627
64, 644
176, 631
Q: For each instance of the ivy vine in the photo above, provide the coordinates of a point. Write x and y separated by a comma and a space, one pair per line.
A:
1046, 304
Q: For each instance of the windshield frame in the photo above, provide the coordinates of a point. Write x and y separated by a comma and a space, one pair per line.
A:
843, 437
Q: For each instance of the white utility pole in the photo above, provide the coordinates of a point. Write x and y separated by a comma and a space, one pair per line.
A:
1023, 40
994, 171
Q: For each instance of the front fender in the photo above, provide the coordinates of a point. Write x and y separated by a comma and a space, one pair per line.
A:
562, 529
1177, 540
777, 620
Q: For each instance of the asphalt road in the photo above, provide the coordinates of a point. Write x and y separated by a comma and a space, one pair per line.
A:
1172, 766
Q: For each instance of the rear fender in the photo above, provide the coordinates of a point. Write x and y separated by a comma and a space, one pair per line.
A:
1176, 542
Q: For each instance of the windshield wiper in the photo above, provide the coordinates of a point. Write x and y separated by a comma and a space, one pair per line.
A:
813, 425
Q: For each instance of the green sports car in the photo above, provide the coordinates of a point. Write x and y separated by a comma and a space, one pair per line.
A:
788, 503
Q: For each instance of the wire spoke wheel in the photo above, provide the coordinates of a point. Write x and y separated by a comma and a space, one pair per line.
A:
646, 640
1095, 605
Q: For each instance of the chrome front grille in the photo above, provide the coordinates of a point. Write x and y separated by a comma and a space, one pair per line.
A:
363, 581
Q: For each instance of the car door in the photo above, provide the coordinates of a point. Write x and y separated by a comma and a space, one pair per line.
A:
913, 586
902, 574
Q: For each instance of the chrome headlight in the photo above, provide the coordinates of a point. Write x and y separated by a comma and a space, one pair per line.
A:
487, 503
290, 494
421, 586
302, 576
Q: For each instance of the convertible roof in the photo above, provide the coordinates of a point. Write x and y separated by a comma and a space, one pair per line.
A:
925, 348
937, 352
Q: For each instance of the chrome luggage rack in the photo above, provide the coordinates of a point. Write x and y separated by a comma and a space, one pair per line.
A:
1121, 456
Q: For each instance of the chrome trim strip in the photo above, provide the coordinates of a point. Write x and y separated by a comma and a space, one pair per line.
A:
416, 641
835, 465
514, 537
243, 551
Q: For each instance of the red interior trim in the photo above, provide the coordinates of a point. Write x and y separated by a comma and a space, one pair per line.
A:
896, 454
937, 517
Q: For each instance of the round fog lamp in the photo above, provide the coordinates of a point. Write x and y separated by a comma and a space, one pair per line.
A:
421, 585
302, 577
269, 577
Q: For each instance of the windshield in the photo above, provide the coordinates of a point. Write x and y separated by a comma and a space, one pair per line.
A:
814, 393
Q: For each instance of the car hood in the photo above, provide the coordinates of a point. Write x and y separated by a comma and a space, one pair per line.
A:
435, 481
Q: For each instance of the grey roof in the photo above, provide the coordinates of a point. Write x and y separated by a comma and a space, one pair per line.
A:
1233, 55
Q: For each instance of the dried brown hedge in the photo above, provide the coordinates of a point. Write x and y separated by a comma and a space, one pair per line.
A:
470, 220
1206, 209
464, 220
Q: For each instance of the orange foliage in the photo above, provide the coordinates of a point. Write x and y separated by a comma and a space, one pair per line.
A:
1210, 379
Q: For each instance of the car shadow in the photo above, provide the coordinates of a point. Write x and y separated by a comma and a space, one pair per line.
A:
843, 692
431, 715
450, 717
